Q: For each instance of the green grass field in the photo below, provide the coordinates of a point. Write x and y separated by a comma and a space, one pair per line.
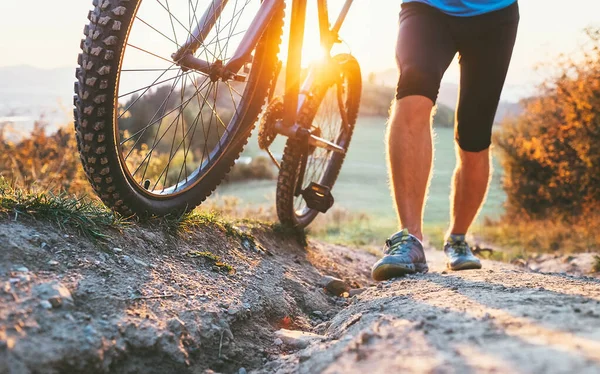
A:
363, 183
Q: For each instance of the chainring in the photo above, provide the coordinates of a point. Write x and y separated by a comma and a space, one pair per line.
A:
266, 128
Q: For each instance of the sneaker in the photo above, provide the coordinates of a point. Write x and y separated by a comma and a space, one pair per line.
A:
459, 254
403, 254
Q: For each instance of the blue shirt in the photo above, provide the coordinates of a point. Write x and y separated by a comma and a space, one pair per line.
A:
466, 8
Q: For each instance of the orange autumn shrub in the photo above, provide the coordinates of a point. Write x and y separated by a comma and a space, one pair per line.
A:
551, 153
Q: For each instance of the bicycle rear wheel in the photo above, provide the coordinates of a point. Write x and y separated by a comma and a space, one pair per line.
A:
155, 139
322, 115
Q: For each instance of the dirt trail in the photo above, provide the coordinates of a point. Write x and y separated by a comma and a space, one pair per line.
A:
146, 301
499, 319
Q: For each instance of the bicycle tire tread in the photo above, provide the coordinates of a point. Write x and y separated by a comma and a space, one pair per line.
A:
109, 24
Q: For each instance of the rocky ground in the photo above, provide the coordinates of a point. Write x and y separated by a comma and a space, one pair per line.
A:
254, 300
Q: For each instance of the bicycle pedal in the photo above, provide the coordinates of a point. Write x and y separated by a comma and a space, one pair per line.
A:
318, 197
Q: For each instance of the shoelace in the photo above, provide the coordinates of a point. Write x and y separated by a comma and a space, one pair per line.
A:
460, 248
398, 247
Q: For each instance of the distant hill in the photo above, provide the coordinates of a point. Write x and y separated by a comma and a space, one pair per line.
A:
29, 93
28, 79
448, 94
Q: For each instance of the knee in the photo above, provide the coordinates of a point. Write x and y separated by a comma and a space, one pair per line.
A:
474, 159
412, 111
417, 81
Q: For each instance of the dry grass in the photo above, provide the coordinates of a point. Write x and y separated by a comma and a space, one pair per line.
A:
41, 162
86, 216
520, 238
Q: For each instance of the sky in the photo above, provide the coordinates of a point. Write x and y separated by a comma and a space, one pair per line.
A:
49, 36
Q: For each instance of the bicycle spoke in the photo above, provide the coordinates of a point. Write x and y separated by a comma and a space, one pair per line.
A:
150, 53
153, 28
165, 104
152, 85
171, 125
139, 97
162, 117
146, 70
176, 124
238, 20
181, 24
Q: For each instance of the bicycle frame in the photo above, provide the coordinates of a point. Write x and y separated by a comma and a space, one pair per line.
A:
292, 102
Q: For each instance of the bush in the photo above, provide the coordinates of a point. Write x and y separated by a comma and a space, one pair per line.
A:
551, 152
259, 168
43, 162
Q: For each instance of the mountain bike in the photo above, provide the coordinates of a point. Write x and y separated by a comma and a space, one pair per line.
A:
168, 92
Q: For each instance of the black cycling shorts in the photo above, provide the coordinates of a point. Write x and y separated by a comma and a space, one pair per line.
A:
428, 40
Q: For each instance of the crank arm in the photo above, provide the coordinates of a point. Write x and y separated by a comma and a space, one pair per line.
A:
312, 139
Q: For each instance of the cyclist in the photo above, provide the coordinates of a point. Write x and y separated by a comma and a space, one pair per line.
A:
431, 32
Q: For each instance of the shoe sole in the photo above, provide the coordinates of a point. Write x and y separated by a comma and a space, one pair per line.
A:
389, 271
464, 266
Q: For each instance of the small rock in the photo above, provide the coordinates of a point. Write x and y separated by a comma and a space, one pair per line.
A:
334, 286
55, 293
246, 306
318, 313
14, 280
298, 339
140, 262
44, 245
304, 356
52, 263
356, 291
232, 311
117, 250
128, 260
278, 341
90, 330
45, 304
22, 269
55, 301
242, 371
444, 272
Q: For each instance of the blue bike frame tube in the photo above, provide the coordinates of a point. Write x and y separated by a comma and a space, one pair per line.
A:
252, 36
292, 74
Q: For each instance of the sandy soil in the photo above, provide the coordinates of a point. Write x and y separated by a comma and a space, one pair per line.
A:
146, 301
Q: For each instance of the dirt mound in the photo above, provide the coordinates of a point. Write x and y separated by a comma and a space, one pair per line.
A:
248, 299
146, 301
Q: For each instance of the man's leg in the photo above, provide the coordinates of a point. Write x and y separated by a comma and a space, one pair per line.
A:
425, 49
409, 153
486, 44
469, 187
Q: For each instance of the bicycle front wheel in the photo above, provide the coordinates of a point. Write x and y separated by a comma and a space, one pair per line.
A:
323, 116
155, 139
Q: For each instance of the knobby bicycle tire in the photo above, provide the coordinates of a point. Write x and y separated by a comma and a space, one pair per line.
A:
96, 108
294, 149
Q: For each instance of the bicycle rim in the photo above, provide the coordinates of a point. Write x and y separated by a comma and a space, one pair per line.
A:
172, 126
